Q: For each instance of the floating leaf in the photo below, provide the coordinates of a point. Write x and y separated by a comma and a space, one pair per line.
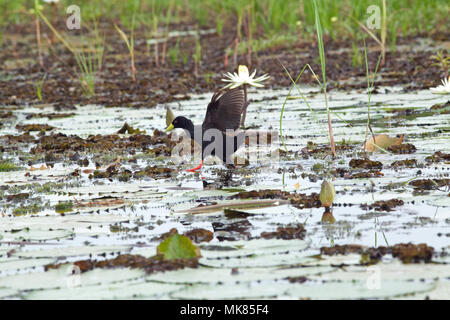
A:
178, 247
247, 204
215, 275
313, 290
147, 290
382, 141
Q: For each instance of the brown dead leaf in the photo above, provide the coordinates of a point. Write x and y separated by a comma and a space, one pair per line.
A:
42, 167
99, 203
382, 141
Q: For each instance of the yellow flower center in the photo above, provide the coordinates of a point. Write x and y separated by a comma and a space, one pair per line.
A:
243, 71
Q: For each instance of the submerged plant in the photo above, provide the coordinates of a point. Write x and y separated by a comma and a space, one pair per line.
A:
242, 78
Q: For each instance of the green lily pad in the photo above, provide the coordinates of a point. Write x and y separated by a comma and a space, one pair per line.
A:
178, 247
225, 275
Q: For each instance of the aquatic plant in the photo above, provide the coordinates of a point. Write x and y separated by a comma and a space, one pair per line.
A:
6, 166
88, 62
130, 45
382, 41
36, 11
39, 85
441, 61
323, 84
370, 82
442, 89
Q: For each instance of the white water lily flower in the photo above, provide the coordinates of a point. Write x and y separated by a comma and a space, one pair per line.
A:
243, 77
443, 89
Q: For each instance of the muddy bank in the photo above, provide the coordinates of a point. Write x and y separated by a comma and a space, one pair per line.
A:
409, 66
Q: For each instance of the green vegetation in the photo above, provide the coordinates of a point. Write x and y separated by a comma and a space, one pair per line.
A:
270, 16
63, 207
6, 166
89, 57
178, 247
24, 210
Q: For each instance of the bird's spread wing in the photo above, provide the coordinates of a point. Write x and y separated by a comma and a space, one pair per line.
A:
224, 111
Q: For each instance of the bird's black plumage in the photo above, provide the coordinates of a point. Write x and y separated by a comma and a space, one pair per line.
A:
217, 135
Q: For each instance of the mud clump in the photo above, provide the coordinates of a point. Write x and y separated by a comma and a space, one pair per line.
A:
6, 115
429, 184
300, 279
113, 171
60, 143
438, 157
149, 265
344, 249
346, 174
411, 253
365, 164
34, 127
402, 148
407, 253
160, 151
402, 111
409, 163
440, 106
154, 172
383, 205
12, 141
199, 235
367, 174
299, 200
50, 116
314, 149
232, 231
286, 233
17, 197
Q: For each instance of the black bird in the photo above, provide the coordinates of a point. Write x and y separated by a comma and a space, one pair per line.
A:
217, 134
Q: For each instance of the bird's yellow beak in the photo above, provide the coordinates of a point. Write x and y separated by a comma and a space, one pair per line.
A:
169, 128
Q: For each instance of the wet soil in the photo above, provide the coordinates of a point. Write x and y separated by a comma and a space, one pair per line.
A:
410, 66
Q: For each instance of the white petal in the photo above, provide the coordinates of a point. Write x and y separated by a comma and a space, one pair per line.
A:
235, 85
228, 85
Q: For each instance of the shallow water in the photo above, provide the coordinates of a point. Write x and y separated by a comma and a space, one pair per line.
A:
156, 206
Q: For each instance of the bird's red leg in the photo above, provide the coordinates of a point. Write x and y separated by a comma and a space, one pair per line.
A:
196, 168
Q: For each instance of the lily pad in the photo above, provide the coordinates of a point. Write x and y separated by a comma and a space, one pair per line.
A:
141, 290
178, 247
